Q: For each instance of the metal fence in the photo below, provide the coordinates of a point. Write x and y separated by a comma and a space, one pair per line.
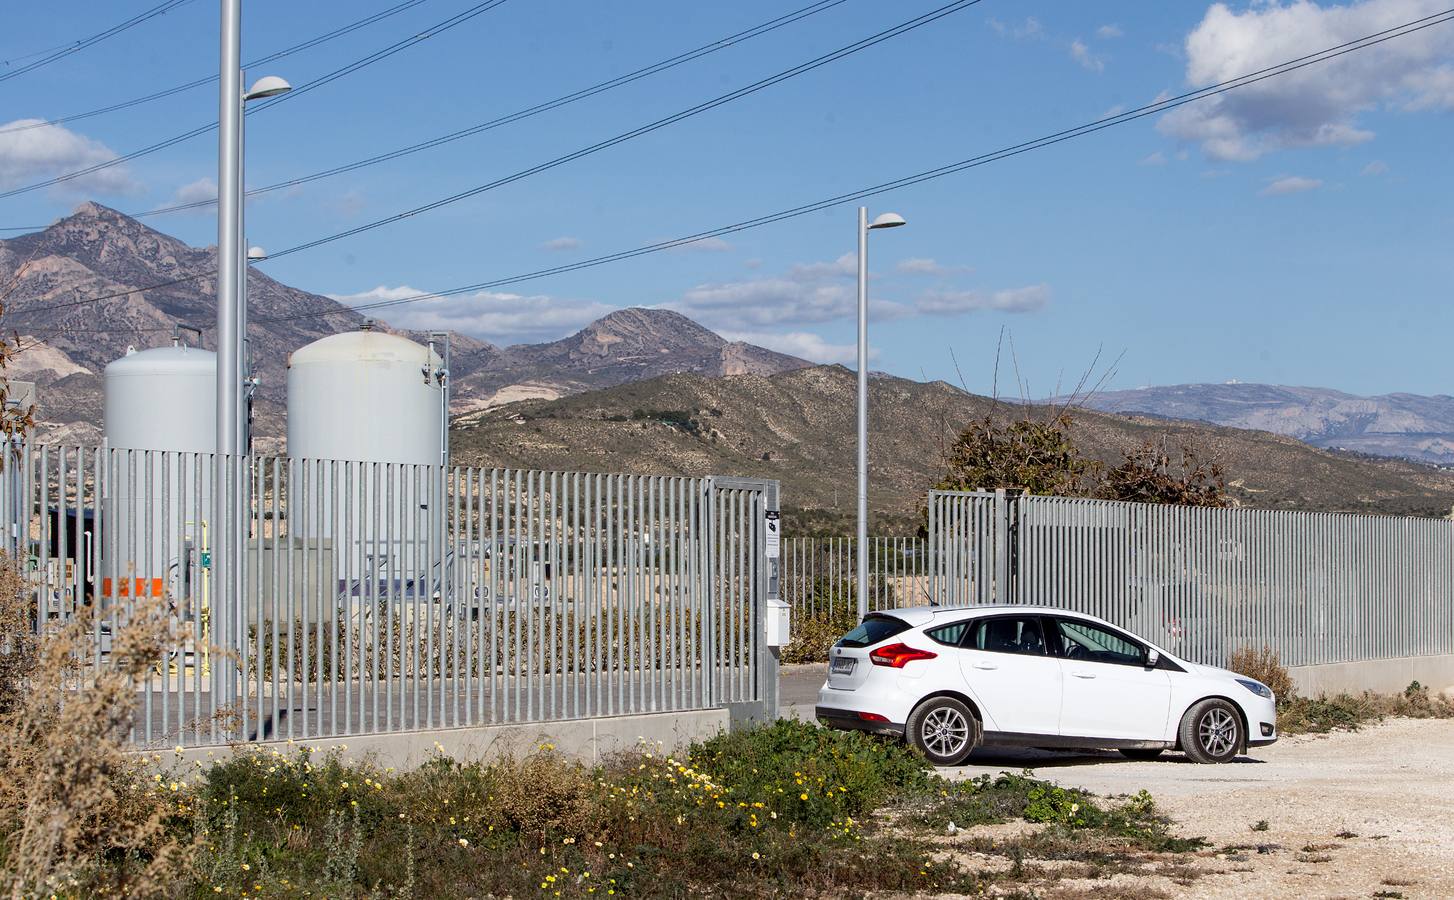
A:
818, 577
373, 597
1316, 587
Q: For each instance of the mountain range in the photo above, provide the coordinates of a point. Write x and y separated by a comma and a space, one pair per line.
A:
651, 391
1410, 426
798, 426
99, 252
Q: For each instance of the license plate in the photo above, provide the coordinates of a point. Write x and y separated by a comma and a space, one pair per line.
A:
843, 665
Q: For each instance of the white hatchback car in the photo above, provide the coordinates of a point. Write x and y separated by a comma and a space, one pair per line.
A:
951, 679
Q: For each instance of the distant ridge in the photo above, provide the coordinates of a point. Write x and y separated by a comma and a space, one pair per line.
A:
1407, 426
98, 250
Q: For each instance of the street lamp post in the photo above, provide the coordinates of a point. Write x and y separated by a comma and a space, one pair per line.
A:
887, 220
229, 515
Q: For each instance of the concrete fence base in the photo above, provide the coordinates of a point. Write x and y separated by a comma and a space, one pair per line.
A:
1384, 676
590, 740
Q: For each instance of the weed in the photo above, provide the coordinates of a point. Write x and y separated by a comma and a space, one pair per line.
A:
1265, 666
1260, 825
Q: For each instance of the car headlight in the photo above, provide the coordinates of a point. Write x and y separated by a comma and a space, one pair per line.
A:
1256, 687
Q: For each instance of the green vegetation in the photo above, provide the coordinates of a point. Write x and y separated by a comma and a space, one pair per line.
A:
1297, 714
1040, 457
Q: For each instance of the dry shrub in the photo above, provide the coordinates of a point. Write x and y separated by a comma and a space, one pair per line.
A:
1264, 666
76, 812
544, 794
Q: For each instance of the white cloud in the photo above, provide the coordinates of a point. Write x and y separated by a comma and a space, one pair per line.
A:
561, 243
1030, 28
37, 154
1014, 300
203, 190
1377, 167
1290, 184
1107, 32
1319, 105
805, 344
923, 266
1083, 55
845, 266
705, 245
1155, 159
498, 317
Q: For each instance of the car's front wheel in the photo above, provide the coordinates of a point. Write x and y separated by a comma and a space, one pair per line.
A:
1211, 732
944, 730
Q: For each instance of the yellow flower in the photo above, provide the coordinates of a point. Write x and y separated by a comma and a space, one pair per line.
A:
463, 842
756, 855
802, 796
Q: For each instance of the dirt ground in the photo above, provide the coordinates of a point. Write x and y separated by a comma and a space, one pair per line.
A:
1362, 814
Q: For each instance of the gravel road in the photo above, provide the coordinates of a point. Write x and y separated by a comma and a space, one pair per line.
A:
1363, 814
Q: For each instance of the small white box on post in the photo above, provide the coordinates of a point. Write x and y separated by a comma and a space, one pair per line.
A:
778, 623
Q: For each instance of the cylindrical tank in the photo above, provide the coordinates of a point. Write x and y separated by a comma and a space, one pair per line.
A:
162, 399
160, 411
376, 401
366, 395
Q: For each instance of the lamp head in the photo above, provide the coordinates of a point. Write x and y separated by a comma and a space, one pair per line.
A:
888, 220
267, 86
256, 254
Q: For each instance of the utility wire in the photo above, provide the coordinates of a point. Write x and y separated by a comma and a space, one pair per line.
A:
800, 69
528, 112
1067, 134
349, 69
928, 175
262, 61
76, 46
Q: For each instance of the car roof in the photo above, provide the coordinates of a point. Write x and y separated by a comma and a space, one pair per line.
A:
917, 616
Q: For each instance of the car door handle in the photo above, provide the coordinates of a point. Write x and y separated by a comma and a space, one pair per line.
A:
1084, 674
986, 665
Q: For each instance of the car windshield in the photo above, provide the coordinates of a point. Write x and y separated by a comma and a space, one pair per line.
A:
872, 630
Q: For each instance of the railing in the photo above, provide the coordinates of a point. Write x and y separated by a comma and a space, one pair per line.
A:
819, 578
1316, 587
372, 597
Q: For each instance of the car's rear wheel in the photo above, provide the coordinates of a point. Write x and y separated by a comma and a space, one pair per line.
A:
1142, 753
1211, 732
944, 730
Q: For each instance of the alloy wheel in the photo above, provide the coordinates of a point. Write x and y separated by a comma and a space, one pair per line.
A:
1217, 732
945, 732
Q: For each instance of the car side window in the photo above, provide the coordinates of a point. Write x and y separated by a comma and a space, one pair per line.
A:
1090, 643
951, 635
1008, 634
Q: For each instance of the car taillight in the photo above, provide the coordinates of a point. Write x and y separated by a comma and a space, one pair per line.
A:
896, 656
875, 717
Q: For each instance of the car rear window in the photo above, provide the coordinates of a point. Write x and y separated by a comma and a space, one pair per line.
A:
872, 630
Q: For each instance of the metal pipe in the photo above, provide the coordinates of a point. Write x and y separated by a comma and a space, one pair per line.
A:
862, 547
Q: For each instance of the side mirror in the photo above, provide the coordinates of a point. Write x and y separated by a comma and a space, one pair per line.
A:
1153, 656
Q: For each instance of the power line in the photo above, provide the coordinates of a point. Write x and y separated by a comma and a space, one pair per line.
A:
167, 92
800, 69
385, 53
1067, 134
78, 45
928, 175
583, 93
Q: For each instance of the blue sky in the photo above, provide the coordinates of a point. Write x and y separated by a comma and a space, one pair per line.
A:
1296, 233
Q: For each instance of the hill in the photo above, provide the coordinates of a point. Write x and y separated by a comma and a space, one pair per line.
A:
100, 252
1399, 425
798, 426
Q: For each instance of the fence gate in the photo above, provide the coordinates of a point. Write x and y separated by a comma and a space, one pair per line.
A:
971, 547
379, 597
1318, 588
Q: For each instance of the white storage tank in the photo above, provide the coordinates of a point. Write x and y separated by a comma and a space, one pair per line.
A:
366, 395
160, 412
366, 440
162, 399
